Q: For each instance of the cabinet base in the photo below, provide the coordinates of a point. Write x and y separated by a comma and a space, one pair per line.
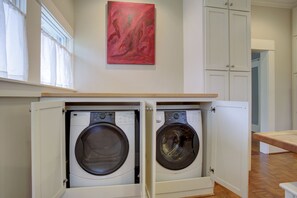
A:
184, 188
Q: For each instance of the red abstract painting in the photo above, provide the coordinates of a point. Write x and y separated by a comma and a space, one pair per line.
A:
131, 33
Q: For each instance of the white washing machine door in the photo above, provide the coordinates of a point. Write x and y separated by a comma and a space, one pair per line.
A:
177, 146
101, 149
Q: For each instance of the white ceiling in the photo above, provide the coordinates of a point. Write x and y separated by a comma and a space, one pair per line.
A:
276, 3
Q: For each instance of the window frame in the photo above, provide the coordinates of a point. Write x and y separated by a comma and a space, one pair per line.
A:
55, 31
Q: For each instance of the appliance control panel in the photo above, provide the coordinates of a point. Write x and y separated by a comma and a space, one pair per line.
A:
175, 116
102, 116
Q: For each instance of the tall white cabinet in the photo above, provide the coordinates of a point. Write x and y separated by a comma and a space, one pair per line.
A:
294, 67
228, 48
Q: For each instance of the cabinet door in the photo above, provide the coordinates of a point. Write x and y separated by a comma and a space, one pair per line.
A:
294, 88
48, 149
150, 148
217, 39
240, 86
243, 5
216, 3
229, 161
217, 82
294, 21
240, 41
294, 54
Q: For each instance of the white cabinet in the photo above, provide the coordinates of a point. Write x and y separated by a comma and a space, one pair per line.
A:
217, 39
244, 5
294, 19
294, 52
294, 98
294, 67
234, 86
227, 40
48, 150
227, 53
240, 86
230, 146
240, 41
225, 150
217, 82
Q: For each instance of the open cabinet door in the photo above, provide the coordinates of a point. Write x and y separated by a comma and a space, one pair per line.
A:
229, 163
150, 149
48, 149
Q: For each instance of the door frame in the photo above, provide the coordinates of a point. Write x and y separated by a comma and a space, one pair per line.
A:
267, 94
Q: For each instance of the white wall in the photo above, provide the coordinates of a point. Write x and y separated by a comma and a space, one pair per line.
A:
66, 8
193, 46
33, 20
93, 74
275, 24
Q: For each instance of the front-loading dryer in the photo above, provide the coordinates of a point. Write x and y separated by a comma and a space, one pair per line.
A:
178, 145
101, 148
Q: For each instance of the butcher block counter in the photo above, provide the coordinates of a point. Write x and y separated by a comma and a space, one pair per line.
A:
283, 139
130, 95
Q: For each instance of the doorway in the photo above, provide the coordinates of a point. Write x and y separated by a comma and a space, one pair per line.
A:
256, 90
266, 90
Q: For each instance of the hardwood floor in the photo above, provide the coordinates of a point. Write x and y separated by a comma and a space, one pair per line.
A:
266, 174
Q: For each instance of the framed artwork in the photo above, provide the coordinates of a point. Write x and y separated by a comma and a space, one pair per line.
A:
131, 33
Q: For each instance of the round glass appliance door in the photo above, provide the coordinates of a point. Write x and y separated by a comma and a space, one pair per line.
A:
101, 149
177, 146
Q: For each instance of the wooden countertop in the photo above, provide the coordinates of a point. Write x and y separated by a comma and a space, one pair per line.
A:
130, 95
284, 139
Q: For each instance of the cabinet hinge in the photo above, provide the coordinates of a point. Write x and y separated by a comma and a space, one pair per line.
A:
213, 109
149, 109
63, 110
65, 181
211, 170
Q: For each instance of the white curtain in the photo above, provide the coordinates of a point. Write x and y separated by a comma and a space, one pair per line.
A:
3, 63
56, 63
16, 43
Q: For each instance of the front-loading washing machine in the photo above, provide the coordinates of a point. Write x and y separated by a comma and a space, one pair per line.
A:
102, 148
178, 144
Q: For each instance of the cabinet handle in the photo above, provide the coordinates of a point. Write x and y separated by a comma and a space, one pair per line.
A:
231, 4
232, 66
226, 3
227, 65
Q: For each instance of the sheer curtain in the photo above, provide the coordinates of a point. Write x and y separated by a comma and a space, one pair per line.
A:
56, 63
15, 65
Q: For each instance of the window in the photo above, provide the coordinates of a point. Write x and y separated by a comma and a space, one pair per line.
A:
56, 53
13, 40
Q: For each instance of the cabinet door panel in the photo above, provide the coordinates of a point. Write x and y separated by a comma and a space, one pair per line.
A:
216, 3
217, 39
244, 5
230, 146
294, 54
48, 149
294, 87
240, 41
294, 20
150, 120
217, 82
240, 86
